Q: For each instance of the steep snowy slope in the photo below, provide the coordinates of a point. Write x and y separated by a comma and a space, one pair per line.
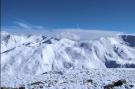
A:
32, 54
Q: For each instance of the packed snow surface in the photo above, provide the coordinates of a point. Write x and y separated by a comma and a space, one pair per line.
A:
73, 79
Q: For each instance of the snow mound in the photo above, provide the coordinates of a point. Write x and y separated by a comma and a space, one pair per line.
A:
32, 54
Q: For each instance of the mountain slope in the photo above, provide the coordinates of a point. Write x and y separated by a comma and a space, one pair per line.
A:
32, 54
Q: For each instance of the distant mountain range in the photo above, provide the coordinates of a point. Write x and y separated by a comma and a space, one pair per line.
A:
36, 54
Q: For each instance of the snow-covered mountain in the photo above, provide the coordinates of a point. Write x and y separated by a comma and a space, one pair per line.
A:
32, 54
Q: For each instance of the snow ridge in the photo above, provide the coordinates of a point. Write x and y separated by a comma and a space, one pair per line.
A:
32, 54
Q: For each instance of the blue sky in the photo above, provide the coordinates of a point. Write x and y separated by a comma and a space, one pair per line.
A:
114, 15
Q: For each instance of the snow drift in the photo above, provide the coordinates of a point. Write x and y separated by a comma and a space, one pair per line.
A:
32, 54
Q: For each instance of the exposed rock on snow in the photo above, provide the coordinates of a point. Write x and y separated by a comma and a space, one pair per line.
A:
76, 79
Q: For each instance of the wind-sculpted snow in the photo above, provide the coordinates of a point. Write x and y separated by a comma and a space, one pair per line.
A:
32, 54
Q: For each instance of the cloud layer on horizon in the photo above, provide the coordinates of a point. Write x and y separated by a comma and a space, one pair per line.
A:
75, 33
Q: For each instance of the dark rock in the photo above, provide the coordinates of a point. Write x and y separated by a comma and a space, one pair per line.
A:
131, 86
109, 86
41, 86
21, 87
43, 37
130, 39
115, 84
88, 81
119, 82
47, 41
12, 88
37, 83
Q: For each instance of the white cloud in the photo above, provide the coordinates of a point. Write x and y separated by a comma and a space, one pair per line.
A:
76, 34
84, 34
23, 25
